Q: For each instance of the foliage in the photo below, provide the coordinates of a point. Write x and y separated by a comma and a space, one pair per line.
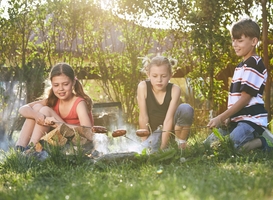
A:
19, 51
204, 40
80, 33
120, 71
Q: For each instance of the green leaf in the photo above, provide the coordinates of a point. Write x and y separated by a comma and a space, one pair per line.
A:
218, 134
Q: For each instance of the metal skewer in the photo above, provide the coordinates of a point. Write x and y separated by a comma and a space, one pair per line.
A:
133, 140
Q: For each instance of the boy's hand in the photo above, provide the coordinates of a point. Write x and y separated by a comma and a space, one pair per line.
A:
215, 122
227, 121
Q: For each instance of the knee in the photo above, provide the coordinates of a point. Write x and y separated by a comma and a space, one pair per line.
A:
45, 110
238, 140
184, 115
242, 134
37, 107
185, 107
186, 110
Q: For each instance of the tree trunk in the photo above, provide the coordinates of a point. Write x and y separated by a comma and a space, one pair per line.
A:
265, 57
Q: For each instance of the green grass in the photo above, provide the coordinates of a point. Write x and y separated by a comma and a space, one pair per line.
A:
218, 172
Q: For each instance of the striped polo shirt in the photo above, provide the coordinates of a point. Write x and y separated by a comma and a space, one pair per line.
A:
249, 76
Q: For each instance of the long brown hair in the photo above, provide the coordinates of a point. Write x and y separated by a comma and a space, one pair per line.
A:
64, 68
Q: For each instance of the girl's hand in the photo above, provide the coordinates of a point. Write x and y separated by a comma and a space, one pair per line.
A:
51, 121
40, 119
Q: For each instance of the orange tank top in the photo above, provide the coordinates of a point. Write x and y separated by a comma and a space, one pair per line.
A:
72, 117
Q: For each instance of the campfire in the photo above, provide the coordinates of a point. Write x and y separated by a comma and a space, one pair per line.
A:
104, 139
97, 141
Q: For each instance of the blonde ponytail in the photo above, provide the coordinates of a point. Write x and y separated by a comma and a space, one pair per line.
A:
157, 60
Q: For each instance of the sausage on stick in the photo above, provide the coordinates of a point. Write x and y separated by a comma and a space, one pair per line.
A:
119, 132
142, 132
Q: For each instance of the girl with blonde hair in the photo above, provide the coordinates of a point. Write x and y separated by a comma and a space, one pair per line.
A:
160, 108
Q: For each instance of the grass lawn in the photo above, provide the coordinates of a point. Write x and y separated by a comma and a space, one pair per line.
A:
200, 172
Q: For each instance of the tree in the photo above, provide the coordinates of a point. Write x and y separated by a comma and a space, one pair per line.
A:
202, 26
37, 34
266, 57
18, 52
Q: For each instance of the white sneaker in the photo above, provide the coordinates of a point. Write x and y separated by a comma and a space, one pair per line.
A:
268, 135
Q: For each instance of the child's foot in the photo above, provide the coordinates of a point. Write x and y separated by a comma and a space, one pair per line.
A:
20, 148
267, 140
182, 144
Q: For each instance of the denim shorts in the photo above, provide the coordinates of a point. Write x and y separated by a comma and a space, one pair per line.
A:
184, 115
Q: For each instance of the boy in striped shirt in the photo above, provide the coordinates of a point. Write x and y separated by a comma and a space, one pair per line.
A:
246, 116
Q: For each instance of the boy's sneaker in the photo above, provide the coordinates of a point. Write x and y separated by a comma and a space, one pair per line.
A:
269, 137
267, 141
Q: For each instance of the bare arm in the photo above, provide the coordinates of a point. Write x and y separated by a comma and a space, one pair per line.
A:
31, 110
41, 113
168, 122
141, 100
83, 114
241, 103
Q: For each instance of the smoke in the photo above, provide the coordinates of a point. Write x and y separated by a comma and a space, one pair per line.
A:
107, 144
12, 96
110, 116
3, 139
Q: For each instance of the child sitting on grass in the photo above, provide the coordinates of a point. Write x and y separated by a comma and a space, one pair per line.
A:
66, 103
159, 105
246, 117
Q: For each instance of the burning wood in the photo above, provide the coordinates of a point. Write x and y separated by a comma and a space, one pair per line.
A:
85, 132
55, 137
78, 140
65, 131
79, 134
92, 139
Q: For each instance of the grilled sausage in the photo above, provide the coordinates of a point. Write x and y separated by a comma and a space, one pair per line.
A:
99, 129
142, 132
119, 132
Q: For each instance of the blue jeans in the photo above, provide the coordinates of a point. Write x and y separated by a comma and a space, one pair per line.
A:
240, 135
